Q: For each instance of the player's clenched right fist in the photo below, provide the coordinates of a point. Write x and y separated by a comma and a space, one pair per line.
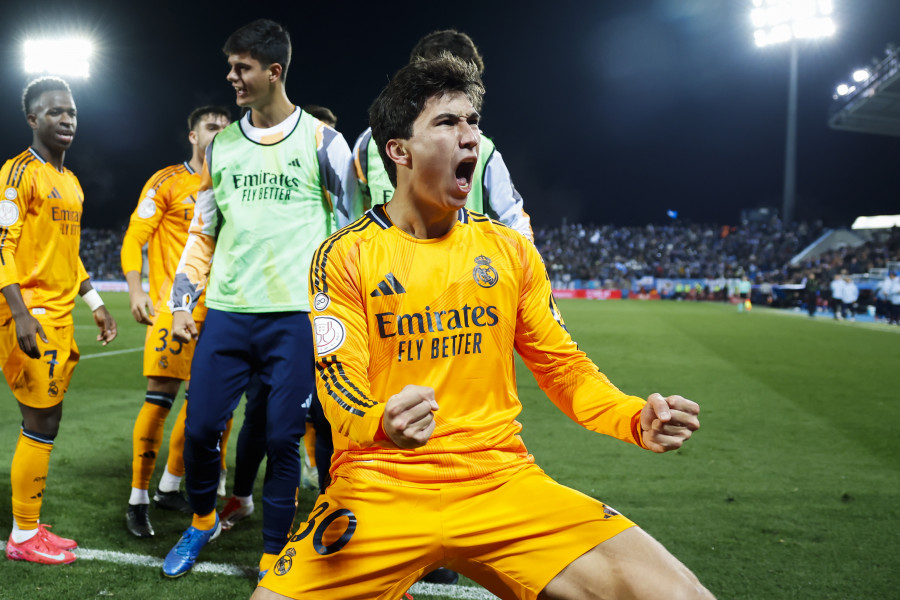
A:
409, 416
184, 329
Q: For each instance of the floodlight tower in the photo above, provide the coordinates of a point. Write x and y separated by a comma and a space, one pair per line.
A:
787, 21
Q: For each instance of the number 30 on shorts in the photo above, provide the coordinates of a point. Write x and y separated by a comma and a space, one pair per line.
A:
321, 528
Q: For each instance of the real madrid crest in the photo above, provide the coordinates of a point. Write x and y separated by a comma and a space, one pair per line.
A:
484, 274
285, 563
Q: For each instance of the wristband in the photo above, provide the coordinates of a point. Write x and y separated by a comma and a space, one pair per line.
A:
93, 299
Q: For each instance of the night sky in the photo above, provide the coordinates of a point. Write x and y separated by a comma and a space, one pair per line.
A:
605, 111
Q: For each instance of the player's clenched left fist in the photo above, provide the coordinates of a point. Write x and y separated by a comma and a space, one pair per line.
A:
409, 416
667, 423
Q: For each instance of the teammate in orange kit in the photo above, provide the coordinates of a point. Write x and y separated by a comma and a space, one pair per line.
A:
40, 275
161, 220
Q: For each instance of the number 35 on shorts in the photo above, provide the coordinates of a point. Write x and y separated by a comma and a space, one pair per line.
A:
164, 356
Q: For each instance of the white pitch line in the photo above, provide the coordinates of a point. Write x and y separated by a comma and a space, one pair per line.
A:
141, 560
461, 592
110, 353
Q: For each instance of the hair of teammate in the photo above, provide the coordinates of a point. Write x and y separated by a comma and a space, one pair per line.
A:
455, 42
38, 86
264, 40
403, 99
198, 113
322, 113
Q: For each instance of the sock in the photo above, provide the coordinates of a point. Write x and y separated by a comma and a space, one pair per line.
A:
244, 500
28, 476
139, 496
266, 562
309, 442
204, 521
169, 482
175, 464
22, 535
147, 437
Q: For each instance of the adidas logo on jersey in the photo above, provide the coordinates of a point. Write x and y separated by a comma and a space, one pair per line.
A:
296, 163
388, 287
55, 194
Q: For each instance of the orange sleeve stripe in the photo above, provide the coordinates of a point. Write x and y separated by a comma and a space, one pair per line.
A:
320, 257
165, 174
18, 169
335, 380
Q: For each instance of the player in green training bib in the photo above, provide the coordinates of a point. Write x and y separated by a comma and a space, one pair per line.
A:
272, 189
493, 192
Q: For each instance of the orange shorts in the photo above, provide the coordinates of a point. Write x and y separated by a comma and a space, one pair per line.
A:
39, 382
165, 356
365, 540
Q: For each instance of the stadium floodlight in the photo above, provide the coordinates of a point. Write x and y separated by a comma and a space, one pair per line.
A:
787, 21
860, 75
59, 56
844, 89
779, 21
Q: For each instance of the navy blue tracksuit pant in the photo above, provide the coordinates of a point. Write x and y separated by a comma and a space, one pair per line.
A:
278, 348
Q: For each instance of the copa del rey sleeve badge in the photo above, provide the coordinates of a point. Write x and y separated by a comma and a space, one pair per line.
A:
330, 334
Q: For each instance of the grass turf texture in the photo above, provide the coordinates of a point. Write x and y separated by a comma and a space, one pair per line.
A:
790, 489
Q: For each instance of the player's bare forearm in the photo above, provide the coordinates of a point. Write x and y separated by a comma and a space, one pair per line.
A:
13, 296
141, 304
27, 327
668, 422
409, 416
107, 325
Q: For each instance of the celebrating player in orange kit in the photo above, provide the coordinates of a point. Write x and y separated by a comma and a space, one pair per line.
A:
418, 307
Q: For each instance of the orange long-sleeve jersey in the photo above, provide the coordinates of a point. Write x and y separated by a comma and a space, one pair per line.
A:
391, 310
161, 220
40, 236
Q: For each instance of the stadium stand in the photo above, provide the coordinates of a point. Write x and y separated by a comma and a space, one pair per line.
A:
677, 260
872, 105
577, 253
100, 249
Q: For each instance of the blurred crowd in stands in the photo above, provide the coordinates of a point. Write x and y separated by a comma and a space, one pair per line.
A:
641, 260
760, 251
100, 249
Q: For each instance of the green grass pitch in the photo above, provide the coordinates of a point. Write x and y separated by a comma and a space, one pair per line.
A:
791, 488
